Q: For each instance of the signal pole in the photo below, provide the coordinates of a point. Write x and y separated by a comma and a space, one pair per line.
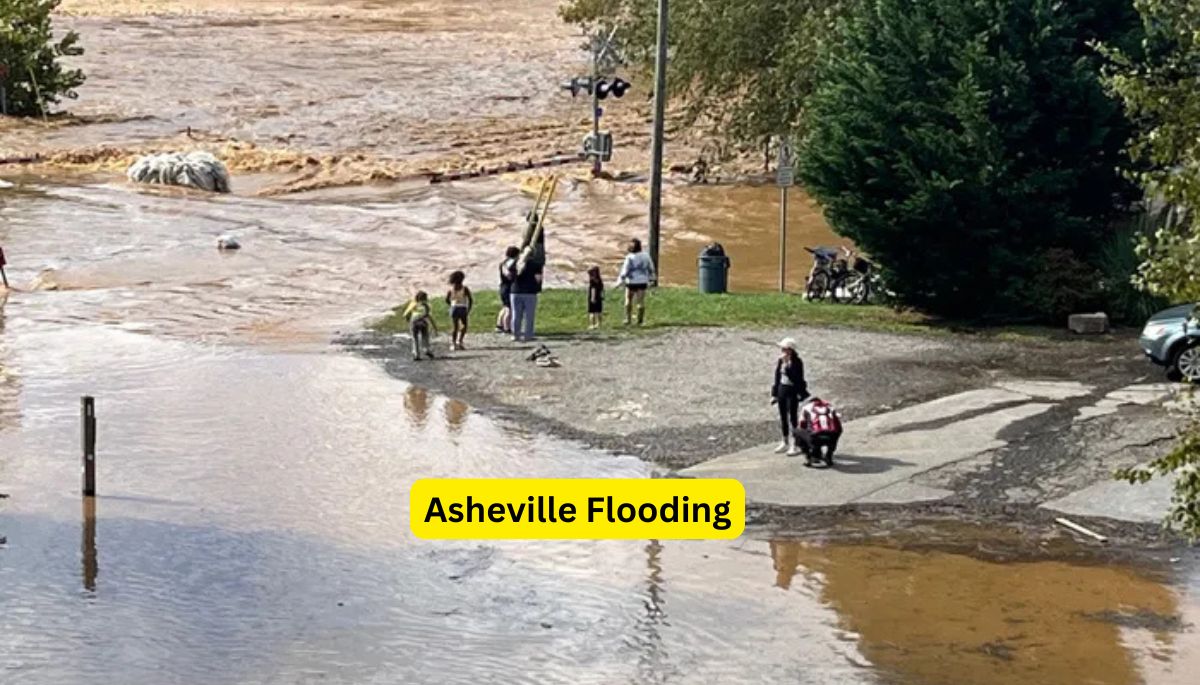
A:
596, 53
656, 151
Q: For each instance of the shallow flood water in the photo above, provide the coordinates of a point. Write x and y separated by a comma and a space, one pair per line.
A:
252, 527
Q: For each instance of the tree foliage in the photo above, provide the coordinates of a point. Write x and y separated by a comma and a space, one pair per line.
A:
969, 145
1159, 88
743, 66
36, 79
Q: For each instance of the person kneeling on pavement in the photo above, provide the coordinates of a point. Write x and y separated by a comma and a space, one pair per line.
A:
788, 391
820, 426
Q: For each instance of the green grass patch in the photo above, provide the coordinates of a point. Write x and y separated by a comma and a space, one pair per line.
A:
563, 312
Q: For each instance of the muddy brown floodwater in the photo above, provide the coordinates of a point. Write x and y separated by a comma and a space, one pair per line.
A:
251, 525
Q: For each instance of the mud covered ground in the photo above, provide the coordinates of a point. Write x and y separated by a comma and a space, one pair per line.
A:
684, 396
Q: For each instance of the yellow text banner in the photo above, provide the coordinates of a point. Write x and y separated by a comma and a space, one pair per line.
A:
577, 509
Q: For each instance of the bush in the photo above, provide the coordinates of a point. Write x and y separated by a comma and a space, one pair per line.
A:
35, 80
1119, 261
1063, 285
971, 145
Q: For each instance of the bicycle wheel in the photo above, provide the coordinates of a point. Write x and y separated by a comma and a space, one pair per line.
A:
858, 288
838, 288
818, 286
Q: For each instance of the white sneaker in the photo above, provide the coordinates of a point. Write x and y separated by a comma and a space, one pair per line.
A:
783, 447
794, 451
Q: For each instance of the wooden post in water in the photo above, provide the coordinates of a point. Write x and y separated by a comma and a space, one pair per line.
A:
91, 567
87, 419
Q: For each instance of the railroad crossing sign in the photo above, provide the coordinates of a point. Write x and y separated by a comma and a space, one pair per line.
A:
785, 175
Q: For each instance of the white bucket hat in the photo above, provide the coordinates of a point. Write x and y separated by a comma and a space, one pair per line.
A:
790, 344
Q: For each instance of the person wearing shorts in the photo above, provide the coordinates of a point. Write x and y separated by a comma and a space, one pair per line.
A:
460, 302
637, 273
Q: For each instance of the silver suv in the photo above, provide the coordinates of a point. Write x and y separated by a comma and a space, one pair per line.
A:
1171, 338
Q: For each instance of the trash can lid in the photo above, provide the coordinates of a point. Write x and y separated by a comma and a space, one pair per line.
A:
713, 250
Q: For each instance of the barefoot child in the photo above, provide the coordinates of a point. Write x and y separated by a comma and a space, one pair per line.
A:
420, 323
460, 301
595, 298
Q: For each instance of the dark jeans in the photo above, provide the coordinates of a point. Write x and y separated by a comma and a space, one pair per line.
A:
789, 409
420, 338
810, 443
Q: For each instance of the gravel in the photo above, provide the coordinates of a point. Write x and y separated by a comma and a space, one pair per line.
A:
685, 395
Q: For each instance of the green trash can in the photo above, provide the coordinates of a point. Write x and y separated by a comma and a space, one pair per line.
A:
714, 269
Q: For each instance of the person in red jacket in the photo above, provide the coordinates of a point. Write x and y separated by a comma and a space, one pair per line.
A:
820, 426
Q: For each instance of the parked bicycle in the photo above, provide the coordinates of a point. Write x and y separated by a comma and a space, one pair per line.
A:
840, 275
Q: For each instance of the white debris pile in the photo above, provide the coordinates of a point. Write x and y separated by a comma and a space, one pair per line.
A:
193, 169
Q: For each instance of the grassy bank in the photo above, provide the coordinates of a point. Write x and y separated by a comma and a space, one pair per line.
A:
563, 311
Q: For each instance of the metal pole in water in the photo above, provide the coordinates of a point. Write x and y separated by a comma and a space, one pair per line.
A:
87, 419
656, 157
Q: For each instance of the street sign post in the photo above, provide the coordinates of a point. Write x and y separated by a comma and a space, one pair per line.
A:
785, 176
3, 92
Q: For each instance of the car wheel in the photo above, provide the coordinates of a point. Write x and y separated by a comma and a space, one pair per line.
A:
1187, 362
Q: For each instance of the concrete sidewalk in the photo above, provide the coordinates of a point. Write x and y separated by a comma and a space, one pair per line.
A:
880, 455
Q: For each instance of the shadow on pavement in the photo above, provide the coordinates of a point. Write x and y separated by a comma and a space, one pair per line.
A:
849, 463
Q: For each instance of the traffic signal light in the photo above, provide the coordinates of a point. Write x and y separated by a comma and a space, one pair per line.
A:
602, 87
617, 88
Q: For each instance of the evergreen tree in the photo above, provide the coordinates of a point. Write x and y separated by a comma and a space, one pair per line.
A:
970, 146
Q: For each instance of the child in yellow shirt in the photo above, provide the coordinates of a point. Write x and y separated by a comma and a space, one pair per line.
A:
420, 321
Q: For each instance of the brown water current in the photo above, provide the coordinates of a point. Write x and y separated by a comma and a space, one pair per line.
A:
252, 519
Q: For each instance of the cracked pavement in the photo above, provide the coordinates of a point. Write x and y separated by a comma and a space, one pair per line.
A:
1042, 442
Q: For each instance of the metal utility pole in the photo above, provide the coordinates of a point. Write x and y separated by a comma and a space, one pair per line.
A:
596, 53
656, 153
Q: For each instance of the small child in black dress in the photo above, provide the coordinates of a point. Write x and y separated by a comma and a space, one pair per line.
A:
595, 298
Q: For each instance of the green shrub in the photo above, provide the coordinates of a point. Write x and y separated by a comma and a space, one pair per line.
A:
1119, 261
31, 55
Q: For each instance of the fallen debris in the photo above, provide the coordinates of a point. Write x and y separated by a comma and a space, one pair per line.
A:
193, 169
1068, 523
1088, 324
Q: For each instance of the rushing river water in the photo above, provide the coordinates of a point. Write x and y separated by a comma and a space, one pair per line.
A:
252, 519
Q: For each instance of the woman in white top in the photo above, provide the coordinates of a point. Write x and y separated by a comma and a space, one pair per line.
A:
637, 273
